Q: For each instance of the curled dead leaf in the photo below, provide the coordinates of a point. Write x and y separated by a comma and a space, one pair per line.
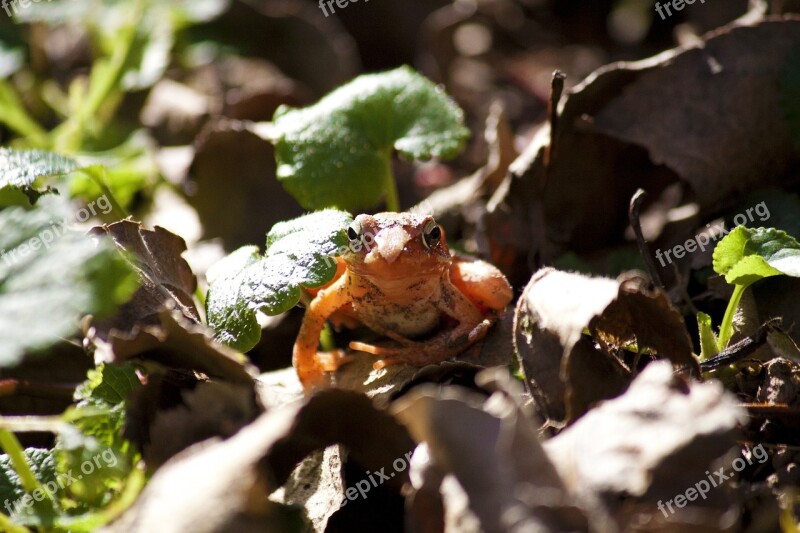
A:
165, 276
492, 451
174, 342
654, 442
566, 372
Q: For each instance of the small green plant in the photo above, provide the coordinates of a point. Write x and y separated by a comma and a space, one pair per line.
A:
745, 256
338, 152
131, 44
50, 277
88, 476
298, 255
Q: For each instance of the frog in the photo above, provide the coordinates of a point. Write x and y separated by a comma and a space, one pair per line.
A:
399, 278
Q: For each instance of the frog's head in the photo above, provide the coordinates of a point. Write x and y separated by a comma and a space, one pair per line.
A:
396, 245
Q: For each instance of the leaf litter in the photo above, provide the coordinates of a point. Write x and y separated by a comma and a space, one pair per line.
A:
596, 410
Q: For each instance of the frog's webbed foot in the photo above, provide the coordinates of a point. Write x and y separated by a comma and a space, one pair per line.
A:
411, 354
424, 353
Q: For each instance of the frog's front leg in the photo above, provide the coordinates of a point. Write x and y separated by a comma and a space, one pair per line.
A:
471, 327
309, 364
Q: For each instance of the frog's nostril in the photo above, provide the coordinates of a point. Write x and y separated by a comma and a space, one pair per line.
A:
390, 243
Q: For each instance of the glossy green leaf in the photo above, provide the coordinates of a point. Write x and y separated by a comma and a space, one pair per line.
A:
229, 313
338, 151
95, 436
20, 170
43, 465
747, 255
112, 384
50, 276
299, 254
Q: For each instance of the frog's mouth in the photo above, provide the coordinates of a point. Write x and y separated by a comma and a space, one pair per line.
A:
406, 268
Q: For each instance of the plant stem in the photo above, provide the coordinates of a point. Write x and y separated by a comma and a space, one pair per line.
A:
45, 508
92, 172
392, 198
103, 80
10, 445
326, 339
94, 520
726, 328
201, 298
14, 116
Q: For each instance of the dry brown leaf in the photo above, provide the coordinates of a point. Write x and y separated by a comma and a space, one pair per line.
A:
224, 486
652, 443
552, 314
209, 409
175, 112
232, 185
213, 486
175, 343
645, 314
492, 449
165, 277
449, 202
707, 116
711, 113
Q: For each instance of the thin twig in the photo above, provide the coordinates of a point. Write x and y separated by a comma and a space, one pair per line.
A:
556, 89
741, 349
541, 179
644, 250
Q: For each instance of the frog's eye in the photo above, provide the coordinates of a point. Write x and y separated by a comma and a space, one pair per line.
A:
431, 234
354, 231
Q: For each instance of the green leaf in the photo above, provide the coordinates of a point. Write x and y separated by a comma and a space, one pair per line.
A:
111, 384
747, 255
299, 254
43, 465
148, 57
100, 409
338, 151
93, 445
228, 311
750, 269
20, 170
708, 340
51, 276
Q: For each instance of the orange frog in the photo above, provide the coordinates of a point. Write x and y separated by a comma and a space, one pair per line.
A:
398, 278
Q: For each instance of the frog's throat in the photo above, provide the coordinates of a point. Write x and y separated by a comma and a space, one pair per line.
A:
391, 284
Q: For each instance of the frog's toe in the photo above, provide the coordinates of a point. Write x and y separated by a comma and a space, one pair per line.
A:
411, 354
331, 361
404, 356
416, 359
370, 348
